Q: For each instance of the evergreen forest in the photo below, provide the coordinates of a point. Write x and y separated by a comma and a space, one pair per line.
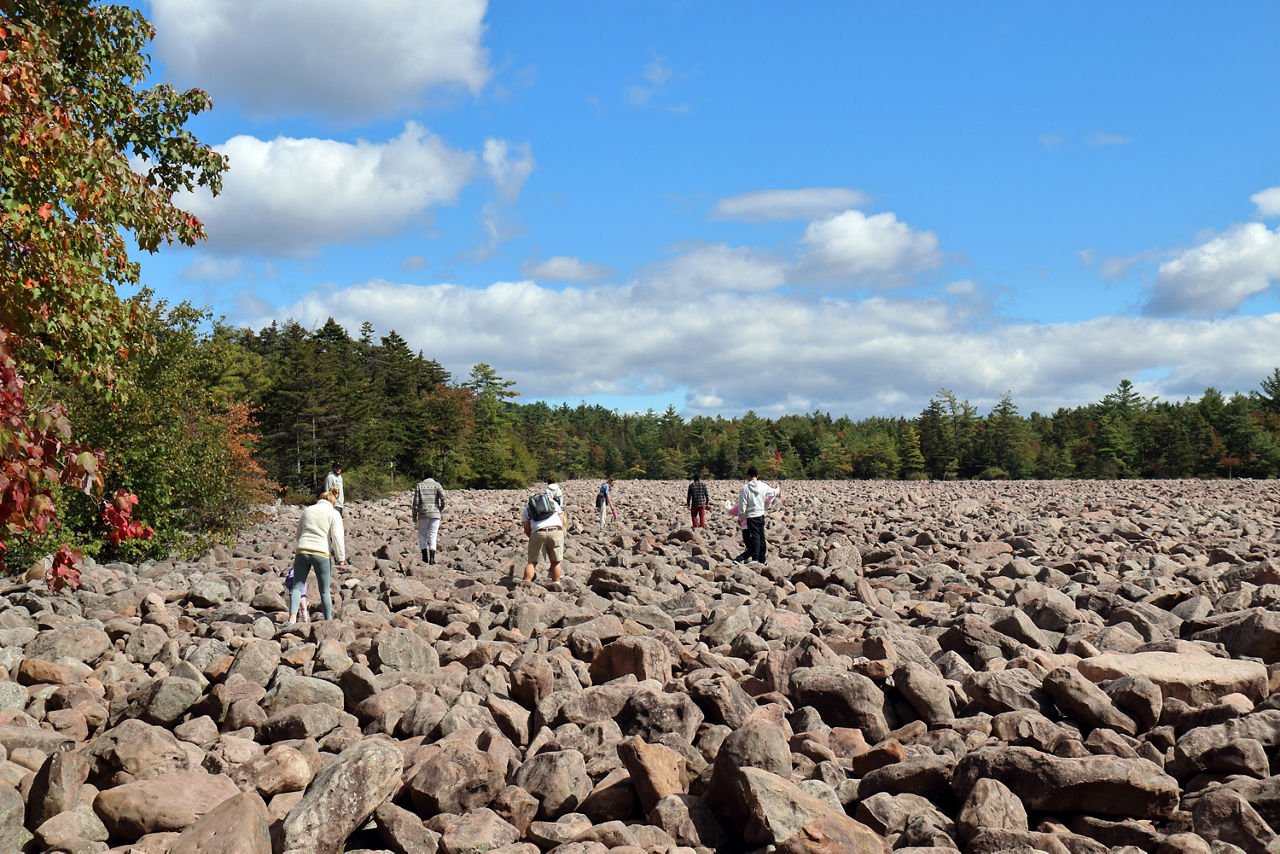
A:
388, 413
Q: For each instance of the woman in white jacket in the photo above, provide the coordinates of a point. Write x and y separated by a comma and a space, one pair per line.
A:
320, 535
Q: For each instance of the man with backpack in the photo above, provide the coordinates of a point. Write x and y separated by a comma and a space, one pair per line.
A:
543, 521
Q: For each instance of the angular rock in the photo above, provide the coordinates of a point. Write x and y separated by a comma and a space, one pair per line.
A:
1085, 701
168, 802
342, 797
1105, 785
843, 699
238, 825
557, 779
1196, 680
992, 805
656, 770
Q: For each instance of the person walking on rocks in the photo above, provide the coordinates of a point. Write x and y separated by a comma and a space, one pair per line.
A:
604, 502
557, 495
333, 481
752, 499
546, 537
696, 499
320, 535
428, 502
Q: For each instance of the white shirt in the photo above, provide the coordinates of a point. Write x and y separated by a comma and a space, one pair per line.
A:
331, 480
751, 500
555, 520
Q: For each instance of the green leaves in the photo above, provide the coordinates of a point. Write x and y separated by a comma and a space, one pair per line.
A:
71, 116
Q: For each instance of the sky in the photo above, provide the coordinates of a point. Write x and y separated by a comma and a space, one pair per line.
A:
731, 206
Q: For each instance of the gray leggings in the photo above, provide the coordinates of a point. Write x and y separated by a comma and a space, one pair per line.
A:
302, 566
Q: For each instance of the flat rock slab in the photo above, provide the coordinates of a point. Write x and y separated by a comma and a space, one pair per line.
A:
1196, 680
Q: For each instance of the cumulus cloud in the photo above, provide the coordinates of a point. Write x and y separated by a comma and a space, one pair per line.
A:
286, 197
1267, 202
1219, 274
772, 352
809, 203
877, 248
562, 268
323, 56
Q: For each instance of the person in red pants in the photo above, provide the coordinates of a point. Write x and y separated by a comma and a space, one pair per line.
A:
696, 500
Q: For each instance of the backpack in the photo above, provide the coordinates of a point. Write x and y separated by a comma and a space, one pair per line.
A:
540, 506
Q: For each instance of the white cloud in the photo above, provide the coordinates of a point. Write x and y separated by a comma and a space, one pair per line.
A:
715, 267
1267, 202
331, 57
286, 197
655, 75
562, 268
653, 85
875, 248
414, 262
204, 268
809, 203
775, 353
508, 166
1101, 138
1219, 274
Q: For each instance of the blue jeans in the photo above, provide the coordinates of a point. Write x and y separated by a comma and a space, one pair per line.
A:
302, 566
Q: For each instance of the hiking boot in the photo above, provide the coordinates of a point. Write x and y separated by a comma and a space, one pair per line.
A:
431, 555
426, 556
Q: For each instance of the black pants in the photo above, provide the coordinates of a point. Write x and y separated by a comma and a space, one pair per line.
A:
754, 537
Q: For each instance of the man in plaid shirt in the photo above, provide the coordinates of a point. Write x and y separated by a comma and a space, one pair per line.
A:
696, 500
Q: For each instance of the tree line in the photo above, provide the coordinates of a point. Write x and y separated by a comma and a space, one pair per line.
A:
387, 413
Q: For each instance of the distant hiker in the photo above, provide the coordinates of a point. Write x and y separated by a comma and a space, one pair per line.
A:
333, 481
751, 505
696, 499
428, 501
319, 535
543, 521
604, 501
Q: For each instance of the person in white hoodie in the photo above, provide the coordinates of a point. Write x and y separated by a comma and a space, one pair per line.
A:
751, 506
320, 535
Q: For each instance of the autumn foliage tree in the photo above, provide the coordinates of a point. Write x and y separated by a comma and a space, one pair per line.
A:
88, 159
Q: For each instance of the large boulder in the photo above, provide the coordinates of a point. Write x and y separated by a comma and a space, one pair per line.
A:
1092, 784
342, 797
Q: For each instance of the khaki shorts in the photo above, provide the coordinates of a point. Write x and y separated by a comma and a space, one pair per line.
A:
549, 543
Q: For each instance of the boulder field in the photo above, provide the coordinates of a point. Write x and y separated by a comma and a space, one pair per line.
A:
1070, 667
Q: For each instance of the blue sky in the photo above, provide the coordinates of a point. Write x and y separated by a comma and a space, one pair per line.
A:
731, 206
